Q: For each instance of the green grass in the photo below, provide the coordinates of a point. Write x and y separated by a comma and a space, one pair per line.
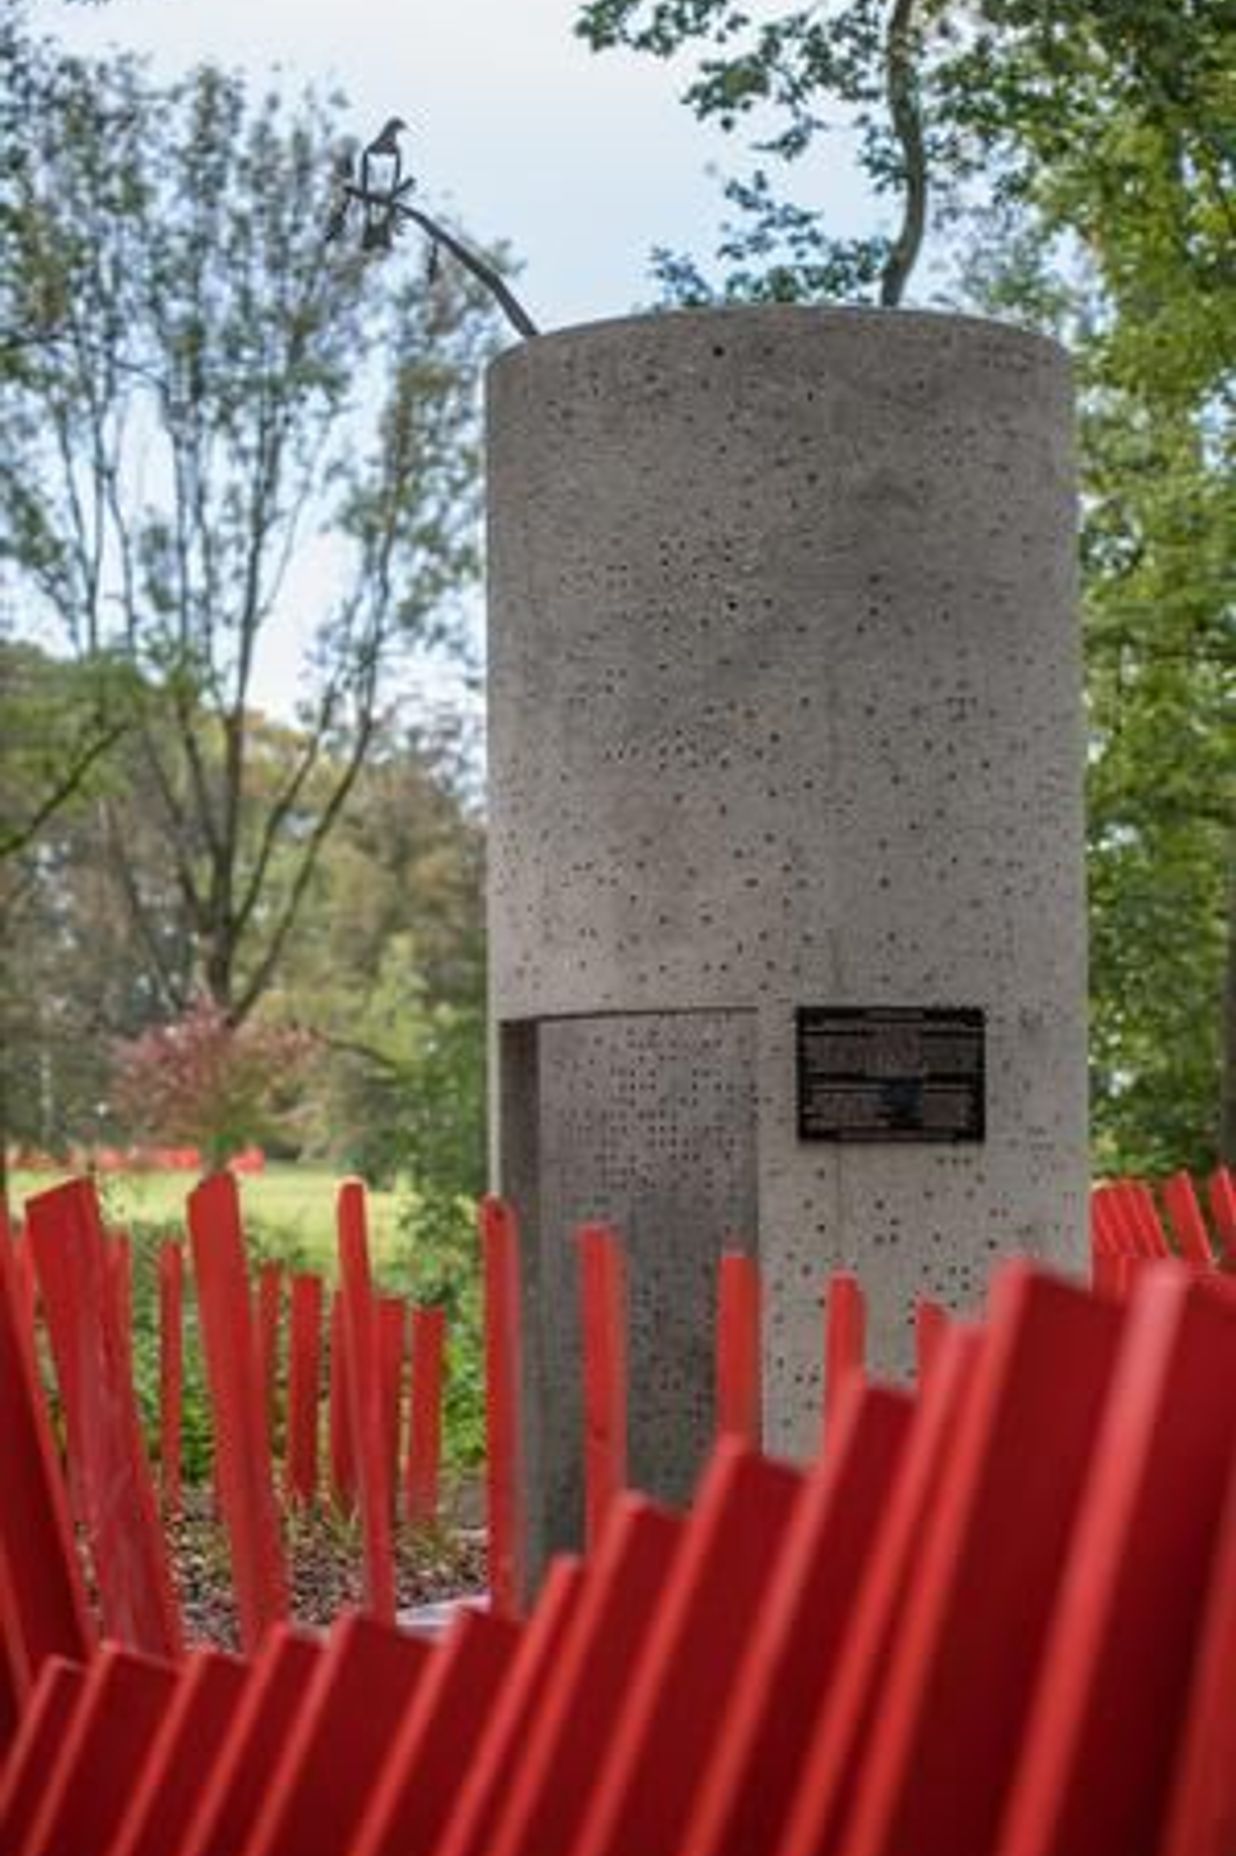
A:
289, 1211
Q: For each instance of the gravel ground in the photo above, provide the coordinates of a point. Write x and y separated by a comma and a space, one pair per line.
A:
324, 1558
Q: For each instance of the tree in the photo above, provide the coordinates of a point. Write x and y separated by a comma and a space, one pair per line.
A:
387, 971
196, 387
207, 1083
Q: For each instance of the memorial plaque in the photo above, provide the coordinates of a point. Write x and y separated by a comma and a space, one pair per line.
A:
890, 1073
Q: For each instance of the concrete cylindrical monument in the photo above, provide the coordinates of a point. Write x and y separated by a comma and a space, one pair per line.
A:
786, 892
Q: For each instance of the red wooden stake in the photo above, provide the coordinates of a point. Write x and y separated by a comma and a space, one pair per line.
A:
120, 1262
369, 1444
171, 1371
503, 1466
425, 1444
87, 1788
491, 1771
665, 1734
326, 1769
1222, 1190
555, 1775
79, 1284
242, 1442
239, 1781
392, 1319
930, 1327
604, 1327
845, 1329
738, 1348
269, 1309
342, 1456
431, 1748
304, 1375
43, 1609
44, 1723
173, 1776
1187, 1222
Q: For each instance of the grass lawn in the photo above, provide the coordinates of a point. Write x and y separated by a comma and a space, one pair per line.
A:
289, 1210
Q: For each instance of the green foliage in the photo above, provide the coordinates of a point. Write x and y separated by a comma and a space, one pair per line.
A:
196, 386
206, 1083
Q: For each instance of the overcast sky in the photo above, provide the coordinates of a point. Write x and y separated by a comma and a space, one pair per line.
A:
581, 162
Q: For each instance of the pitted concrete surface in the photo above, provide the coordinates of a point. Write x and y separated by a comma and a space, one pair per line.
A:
785, 709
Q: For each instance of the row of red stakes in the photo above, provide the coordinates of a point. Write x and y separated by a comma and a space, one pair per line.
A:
1128, 1230
995, 1618
81, 1270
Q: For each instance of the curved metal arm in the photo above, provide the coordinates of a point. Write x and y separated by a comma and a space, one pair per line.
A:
484, 273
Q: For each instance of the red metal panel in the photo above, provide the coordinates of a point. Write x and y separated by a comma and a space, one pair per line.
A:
425, 1439
1202, 1818
739, 1398
845, 1329
392, 1323
100, 1759
1222, 1193
797, 1635
572, 1733
269, 1309
1104, 1735
1180, 1198
320, 1786
79, 1297
119, 1254
603, 1325
171, 1372
930, 1326
841, 1736
44, 1724
503, 1468
274, 1694
971, 1643
361, 1346
433, 1744
181, 1755
490, 1772
342, 1456
304, 1380
667, 1727
43, 1608
242, 1441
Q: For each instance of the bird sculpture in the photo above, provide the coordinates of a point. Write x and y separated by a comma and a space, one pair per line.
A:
380, 173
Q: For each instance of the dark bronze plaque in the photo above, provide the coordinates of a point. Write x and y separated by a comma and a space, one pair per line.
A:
890, 1073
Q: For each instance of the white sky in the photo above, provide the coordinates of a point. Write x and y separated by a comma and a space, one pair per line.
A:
580, 162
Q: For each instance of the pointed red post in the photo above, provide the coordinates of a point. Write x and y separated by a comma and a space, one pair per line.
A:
369, 1442
242, 1441
845, 1332
1222, 1191
392, 1320
304, 1375
930, 1327
739, 1395
503, 1466
342, 1456
171, 1372
1187, 1222
269, 1309
425, 1443
604, 1328
79, 1285
43, 1610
